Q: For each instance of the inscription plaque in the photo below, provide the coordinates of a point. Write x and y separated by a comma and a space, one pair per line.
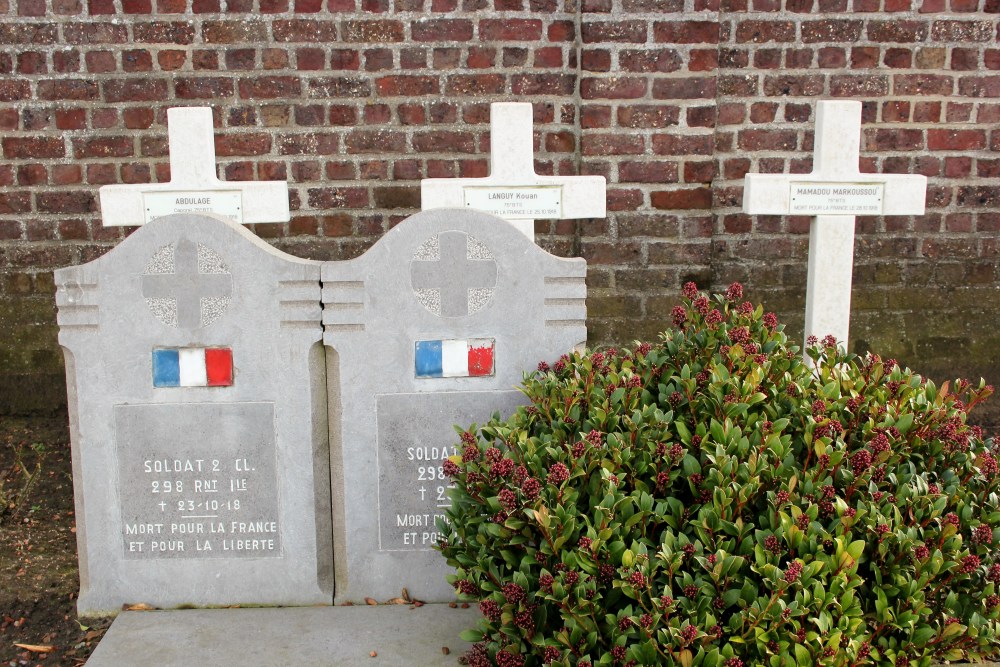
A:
227, 203
415, 436
204, 492
836, 198
516, 203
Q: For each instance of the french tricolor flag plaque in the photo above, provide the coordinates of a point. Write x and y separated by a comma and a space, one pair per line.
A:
193, 367
453, 358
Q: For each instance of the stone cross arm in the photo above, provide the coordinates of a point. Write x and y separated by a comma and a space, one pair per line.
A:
771, 194
193, 186
513, 190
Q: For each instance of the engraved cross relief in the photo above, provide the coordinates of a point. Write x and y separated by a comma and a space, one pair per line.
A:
453, 274
197, 290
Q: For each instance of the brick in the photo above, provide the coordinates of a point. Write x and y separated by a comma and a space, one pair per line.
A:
233, 32
66, 202
95, 33
339, 87
406, 86
135, 90
686, 144
979, 195
195, 88
922, 84
543, 84
270, 87
682, 199
615, 88
163, 32
965, 59
29, 33
475, 84
13, 90
103, 147
962, 31
795, 85
304, 30
333, 198
377, 60
898, 58
15, 202
686, 32
311, 143
894, 140
758, 32
240, 145
898, 31
653, 60
622, 31
686, 88
444, 142
859, 86
375, 141
612, 144
442, 30
137, 60
648, 115
32, 148
979, 86
138, 118
171, 59
767, 140
100, 61
31, 62
407, 197
510, 30
956, 140
137, 6
655, 6
374, 31
831, 30
648, 171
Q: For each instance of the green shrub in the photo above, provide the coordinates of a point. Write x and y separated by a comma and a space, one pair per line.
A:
715, 500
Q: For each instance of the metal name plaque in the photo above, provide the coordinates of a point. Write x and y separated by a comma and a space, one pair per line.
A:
227, 203
415, 436
198, 480
516, 203
836, 198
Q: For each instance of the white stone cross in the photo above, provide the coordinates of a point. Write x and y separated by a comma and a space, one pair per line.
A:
193, 186
513, 190
834, 193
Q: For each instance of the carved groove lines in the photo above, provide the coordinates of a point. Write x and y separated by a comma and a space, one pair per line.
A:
75, 308
298, 304
343, 305
565, 301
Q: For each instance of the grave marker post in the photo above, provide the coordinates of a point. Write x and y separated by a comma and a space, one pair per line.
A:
833, 193
193, 186
513, 191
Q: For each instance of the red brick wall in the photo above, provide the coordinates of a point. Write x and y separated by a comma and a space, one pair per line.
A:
354, 101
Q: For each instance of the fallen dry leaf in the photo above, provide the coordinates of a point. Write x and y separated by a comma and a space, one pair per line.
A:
373, 654
406, 595
139, 606
445, 650
371, 601
35, 648
396, 601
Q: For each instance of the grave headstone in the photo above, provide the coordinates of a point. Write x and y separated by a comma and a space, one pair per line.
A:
513, 191
432, 327
193, 186
834, 193
197, 393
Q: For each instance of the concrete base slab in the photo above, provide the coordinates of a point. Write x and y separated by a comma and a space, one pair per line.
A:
301, 636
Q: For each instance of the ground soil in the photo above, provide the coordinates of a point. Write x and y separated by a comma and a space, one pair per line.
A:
39, 581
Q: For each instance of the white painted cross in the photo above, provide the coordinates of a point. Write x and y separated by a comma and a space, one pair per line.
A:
513, 190
193, 186
834, 192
